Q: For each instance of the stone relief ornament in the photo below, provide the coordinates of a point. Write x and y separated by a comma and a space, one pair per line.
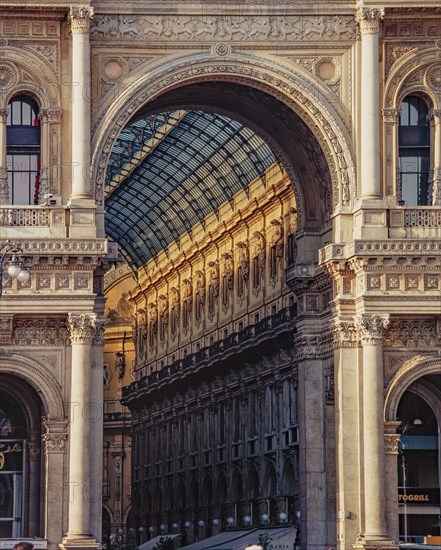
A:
80, 18
259, 261
163, 318
175, 312
153, 325
371, 328
223, 27
82, 327
213, 289
243, 270
276, 251
199, 296
433, 77
412, 334
187, 304
369, 20
9, 76
227, 280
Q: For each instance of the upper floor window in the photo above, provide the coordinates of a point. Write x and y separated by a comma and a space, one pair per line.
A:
23, 150
414, 152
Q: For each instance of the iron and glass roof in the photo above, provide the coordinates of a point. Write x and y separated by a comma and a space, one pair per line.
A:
169, 171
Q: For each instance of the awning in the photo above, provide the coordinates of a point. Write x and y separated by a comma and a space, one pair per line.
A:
149, 545
282, 538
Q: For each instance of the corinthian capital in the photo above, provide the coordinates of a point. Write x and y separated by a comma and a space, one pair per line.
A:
345, 333
369, 20
82, 327
370, 328
80, 18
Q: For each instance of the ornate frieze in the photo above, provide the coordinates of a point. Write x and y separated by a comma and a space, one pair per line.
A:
370, 328
313, 346
416, 28
82, 327
223, 27
418, 334
40, 332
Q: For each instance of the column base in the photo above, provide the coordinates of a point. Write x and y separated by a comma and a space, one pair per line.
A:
79, 542
374, 544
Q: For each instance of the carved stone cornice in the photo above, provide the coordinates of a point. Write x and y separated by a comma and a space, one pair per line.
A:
371, 328
80, 18
313, 346
369, 20
345, 333
82, 327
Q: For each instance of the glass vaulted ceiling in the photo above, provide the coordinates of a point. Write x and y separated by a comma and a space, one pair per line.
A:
169, 171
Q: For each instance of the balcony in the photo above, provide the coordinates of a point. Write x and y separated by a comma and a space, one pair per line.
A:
415, 223
24, 222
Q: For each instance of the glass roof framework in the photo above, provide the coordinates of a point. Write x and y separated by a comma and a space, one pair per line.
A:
202, 162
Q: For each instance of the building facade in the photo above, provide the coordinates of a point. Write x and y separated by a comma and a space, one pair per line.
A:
271, 174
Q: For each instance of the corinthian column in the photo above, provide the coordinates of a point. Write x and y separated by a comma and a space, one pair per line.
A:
370, 330
82, 332
4, 190
79, 19
369, 22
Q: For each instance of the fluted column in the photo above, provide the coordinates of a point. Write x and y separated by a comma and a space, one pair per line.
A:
370, 331
82, 332
80, 19
369, 22
435, 120
4, 188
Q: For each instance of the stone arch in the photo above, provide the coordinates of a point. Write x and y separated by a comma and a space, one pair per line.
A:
270, 481
409, 372
289, 484
412, 64
38, 376
310, 101
43, 87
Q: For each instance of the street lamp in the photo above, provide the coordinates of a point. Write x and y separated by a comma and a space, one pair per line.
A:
404, 429
16, 269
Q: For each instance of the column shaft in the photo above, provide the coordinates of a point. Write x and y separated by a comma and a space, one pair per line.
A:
370, 104
4, 188
80, 21
436, 158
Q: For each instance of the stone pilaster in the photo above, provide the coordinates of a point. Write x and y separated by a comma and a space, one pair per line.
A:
435, 121
370, 331
82, 491
80, 19
369, 23
4, 189
390, 166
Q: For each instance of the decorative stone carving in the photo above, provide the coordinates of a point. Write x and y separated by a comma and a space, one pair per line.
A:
80, 18
213, 289
433, 77
40, 332
199, 297
391, 443
9, 76
370, 328
223, 27
345, 333
276, 251
369, 20
313, 346
175, 312
259, 261
243, 271
163, 318
227, 280
187, 304
54, 442
412, 334
82, 327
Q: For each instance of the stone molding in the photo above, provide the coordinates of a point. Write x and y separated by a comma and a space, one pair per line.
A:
80, 18
82, 327
40, 378
39, 332
223, 28
418, 334
370, 328
407, 374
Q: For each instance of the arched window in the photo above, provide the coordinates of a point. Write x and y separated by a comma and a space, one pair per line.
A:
414, 152
23, 150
